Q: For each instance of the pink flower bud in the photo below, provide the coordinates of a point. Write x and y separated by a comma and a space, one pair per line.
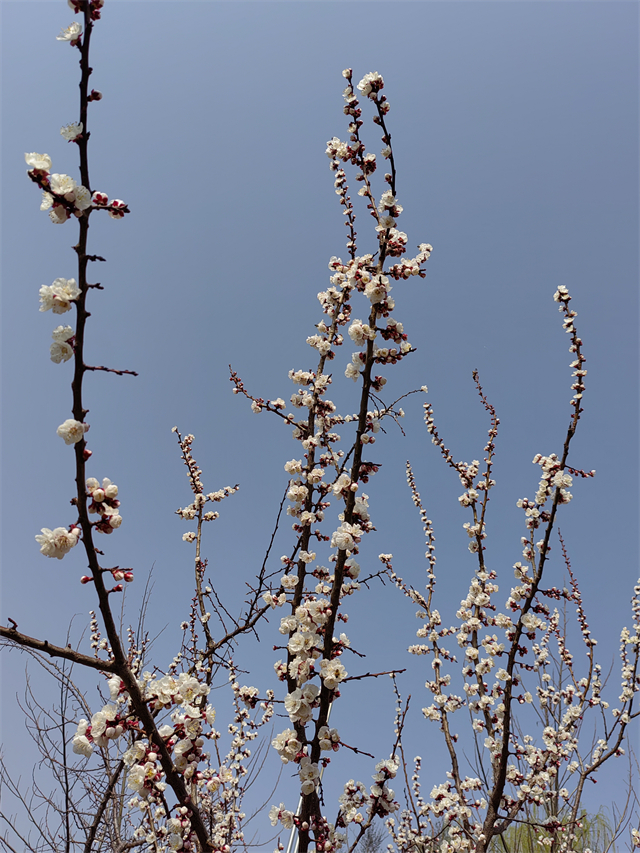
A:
116, 210
85, 579
128, 577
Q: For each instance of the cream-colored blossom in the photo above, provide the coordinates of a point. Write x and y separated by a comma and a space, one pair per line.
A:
72, 431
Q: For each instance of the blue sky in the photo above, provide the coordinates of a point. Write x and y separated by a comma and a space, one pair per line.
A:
515, 130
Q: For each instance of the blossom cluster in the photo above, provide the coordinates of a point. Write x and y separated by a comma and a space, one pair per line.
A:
501, 650
184, 693
62, 196
219, 788
182, 737
357, 806
104, 503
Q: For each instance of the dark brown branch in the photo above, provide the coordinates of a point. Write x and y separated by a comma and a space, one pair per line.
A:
44, 646
102, 807
111, 369
373, 675
356, 750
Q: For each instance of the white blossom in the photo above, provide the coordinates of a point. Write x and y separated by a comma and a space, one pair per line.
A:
343, 537
71, 131
59, 295
309, 772
70, 33
38, 161
370, 84
82, 198
58, 542
62, 185
60, 351
352, 372
81, 743
332, 673
72, 431
62, 333
58, 214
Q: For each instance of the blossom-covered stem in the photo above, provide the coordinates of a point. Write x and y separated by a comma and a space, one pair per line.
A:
349, 507
79, 412
78, 409
199, 572
500, 765
203, 657
120, 662
367, 276
426, 604
533, 771
311, 803
479, 525
386, 138
630, 687
490, 451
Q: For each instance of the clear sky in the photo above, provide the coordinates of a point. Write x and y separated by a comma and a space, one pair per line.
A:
515, 130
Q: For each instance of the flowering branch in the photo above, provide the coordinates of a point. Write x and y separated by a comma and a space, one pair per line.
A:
159, 722
533, 780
